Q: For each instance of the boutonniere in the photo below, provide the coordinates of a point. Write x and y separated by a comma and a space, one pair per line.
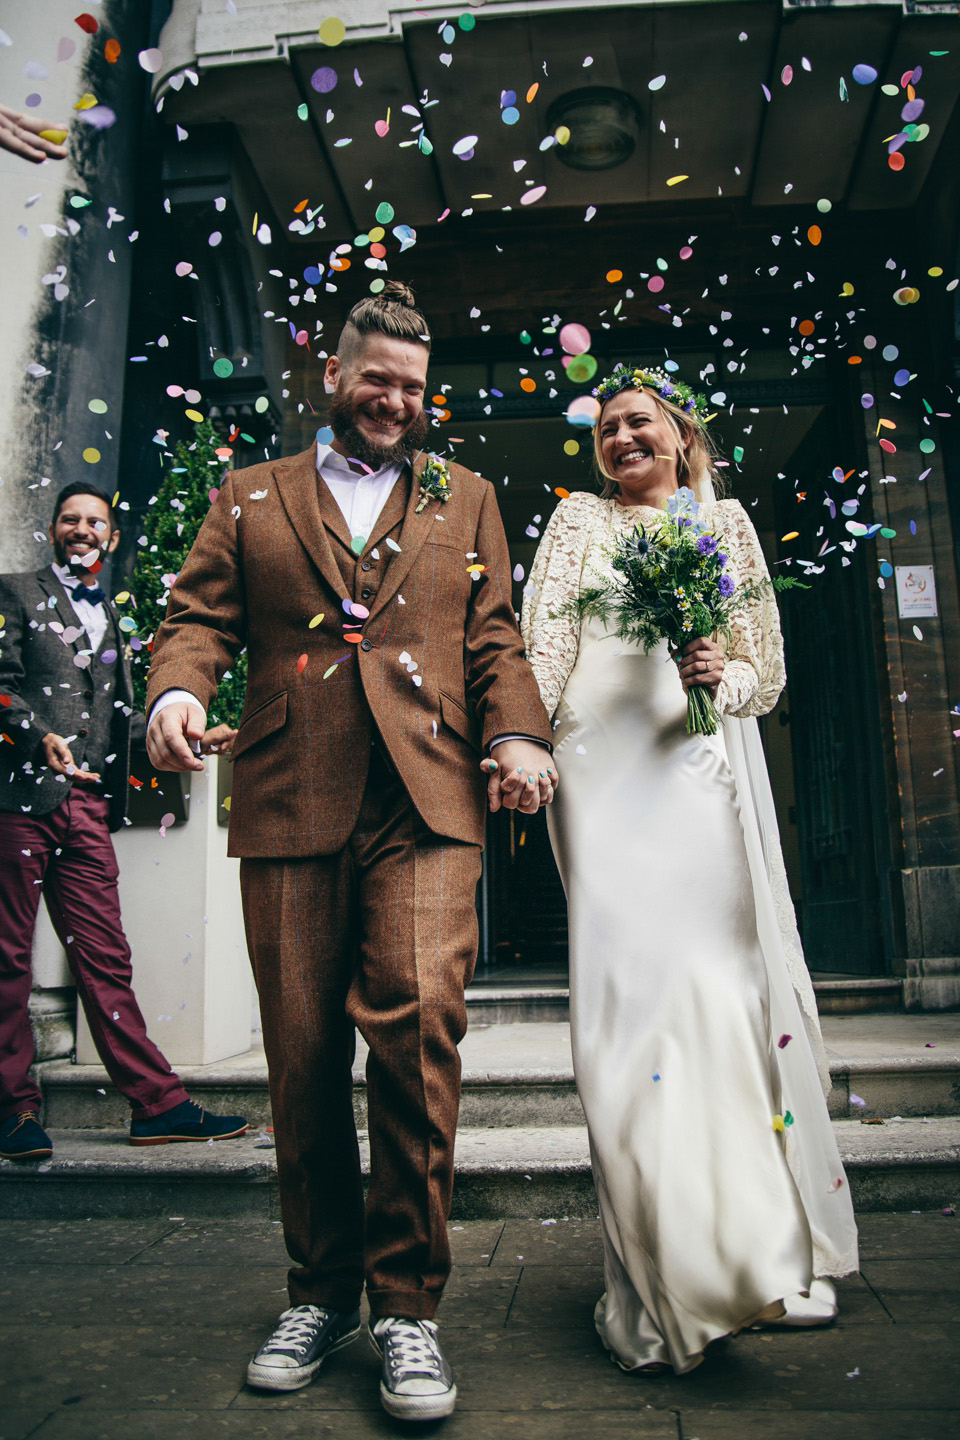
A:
434, 482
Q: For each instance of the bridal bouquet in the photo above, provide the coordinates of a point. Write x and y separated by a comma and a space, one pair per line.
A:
670, 583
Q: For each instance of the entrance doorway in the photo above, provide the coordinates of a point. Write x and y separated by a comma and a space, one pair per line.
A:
820, 751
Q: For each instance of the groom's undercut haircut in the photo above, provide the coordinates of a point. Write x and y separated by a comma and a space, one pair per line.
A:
392, 313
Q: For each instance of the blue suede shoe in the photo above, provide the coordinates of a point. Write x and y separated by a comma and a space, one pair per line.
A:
186, 1121
23, 1138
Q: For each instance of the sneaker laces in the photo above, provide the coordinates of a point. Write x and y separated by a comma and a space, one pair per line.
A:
297, 1330
414, 1350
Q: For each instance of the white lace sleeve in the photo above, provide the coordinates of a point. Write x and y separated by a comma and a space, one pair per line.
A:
552, 639
754, 673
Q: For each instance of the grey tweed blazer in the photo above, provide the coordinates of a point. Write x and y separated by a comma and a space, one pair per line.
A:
42, 689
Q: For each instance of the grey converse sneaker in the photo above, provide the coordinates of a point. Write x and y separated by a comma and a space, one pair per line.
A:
306, 1335
416, 1383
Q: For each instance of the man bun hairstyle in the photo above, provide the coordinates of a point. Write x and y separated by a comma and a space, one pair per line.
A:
392, 313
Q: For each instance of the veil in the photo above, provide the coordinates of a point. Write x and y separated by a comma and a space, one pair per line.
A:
796, 1040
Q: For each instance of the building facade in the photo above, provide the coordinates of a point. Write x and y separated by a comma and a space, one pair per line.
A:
764, 195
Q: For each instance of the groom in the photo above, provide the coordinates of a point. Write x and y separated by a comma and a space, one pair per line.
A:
373, 596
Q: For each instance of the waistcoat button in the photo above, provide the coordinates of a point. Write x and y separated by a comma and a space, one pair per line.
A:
365, 594
366, 645
82, 731
365, 565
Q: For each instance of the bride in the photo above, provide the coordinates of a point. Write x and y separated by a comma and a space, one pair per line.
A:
696, 1044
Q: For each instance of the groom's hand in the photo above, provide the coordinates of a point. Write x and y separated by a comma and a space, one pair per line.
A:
172, 733
521, 775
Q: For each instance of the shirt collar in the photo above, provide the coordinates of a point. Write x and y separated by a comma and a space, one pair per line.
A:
336, 464
65, 576
68, 580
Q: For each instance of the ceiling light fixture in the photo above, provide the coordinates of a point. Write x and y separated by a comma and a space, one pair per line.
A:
604, 126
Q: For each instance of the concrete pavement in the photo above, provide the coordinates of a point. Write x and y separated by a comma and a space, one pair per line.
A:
115, 1329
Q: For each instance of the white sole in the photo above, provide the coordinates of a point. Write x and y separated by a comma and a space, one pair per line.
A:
268, 1377
418, 1407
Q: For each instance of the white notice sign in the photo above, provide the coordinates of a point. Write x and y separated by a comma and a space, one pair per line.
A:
916, 591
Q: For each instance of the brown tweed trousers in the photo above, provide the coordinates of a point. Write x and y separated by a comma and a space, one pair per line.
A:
358, 811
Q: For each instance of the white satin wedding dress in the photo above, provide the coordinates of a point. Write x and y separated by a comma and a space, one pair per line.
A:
689, 1036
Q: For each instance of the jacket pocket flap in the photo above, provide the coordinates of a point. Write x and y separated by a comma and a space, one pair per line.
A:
270, 716
458, 720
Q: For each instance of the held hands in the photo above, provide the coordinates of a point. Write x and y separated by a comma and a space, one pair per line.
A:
701, 663
521, 776
56, 754
218, 740
172, 733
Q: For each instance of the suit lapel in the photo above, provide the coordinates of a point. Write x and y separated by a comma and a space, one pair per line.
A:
298, 490
50, 585
332, 515
393, 511
415, 530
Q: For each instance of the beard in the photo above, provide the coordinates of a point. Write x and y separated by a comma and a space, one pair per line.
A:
73, 563
358, 447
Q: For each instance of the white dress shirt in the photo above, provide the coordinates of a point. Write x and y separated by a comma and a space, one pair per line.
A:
93, 618
360, 497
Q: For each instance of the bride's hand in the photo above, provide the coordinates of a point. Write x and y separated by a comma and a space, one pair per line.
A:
701, 663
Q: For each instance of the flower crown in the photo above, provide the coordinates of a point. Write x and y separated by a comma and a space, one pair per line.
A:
626, 376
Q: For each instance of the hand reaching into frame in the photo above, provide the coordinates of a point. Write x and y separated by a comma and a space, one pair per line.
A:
23, 135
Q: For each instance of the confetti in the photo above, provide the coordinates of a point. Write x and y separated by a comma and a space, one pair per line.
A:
332, 31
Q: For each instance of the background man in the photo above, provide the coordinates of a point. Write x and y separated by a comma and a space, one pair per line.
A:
380, 668
66, 716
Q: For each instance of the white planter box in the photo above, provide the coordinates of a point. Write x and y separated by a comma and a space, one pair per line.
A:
180, 900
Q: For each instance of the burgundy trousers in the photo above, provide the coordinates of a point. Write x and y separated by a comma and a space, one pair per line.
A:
68, 857
380, 937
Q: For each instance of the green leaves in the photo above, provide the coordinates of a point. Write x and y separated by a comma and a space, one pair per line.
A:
170, 527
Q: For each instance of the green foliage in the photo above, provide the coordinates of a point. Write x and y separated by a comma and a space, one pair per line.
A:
787, 582
170, 526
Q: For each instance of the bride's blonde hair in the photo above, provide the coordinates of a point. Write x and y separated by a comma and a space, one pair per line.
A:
695, 451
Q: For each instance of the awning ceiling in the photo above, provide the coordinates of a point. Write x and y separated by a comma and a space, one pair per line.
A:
710, 120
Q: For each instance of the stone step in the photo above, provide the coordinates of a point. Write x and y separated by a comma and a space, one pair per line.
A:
509, 1004
517, 1004
522, 1074
518, 1172
851, 996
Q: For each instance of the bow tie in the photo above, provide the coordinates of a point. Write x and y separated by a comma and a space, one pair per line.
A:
91, 593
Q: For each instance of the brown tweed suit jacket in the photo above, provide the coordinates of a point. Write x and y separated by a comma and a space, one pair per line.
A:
273, 553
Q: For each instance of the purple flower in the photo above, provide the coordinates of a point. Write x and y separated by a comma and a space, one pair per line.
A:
721, 559
726, 586
706, 545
